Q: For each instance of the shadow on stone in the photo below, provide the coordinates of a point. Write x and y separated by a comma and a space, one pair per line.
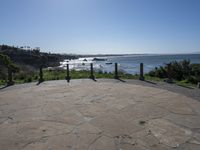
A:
40, 81
120, 80
149, 82
3, 87
92, 77
185, 86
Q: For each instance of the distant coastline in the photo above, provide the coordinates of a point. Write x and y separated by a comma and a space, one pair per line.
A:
144, 54
29, 62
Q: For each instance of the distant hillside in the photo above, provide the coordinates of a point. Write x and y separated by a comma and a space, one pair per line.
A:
33, 57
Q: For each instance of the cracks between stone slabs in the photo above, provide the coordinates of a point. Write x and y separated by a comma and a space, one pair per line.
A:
193, 142
4, 104
33, 107
149, 132
25, 108
117, 145
195, 114
72, 131
94, 141
191, 96
119, 141
48, 136
159, 93
6, 119
180, 125
97, 138
187, 141
10, 117
77, 135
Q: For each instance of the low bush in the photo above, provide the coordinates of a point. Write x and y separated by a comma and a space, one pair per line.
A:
182, 70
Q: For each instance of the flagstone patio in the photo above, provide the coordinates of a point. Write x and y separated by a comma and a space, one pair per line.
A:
88, 115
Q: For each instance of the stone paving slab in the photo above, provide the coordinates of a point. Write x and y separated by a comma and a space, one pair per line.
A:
88, 115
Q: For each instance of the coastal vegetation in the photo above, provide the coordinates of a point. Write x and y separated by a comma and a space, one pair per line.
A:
182, 71
26, 77
33, 57
25, 65
6, 61
25, 62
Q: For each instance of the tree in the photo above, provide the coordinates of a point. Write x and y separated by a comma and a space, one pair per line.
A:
5, 60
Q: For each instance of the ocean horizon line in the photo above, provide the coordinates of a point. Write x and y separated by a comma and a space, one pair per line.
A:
136, 54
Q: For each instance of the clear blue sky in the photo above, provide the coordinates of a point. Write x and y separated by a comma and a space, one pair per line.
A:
102, 26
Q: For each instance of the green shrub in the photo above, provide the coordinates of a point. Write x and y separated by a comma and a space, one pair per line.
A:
100, 72
29, 79
36, 77
182, 70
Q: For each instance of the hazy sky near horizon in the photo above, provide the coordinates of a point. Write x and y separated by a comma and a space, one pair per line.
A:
102, 26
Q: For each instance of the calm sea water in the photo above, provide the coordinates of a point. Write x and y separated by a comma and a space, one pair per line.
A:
130, 63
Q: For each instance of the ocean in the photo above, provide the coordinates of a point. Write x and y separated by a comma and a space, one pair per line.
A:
128, 63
